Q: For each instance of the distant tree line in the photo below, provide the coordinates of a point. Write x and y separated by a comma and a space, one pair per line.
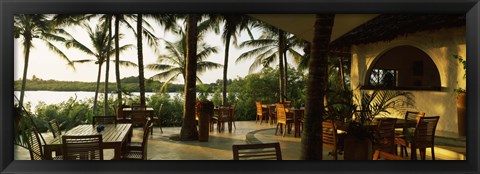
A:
129, 84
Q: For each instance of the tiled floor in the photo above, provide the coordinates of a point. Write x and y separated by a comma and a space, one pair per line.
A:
219, 146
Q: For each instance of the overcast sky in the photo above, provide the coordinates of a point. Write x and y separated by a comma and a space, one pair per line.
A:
47, 65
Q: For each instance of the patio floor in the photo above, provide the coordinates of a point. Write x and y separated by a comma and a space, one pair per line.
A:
219, 146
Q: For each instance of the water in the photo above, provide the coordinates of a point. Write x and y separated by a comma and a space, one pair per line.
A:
56, 97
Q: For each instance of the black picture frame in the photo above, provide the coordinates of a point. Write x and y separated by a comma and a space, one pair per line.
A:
10, 7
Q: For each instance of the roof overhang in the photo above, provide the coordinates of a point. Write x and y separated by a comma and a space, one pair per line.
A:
301, 25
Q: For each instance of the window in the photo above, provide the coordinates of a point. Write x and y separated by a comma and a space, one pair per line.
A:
383, 77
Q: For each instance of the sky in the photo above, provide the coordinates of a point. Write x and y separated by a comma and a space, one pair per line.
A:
47, 65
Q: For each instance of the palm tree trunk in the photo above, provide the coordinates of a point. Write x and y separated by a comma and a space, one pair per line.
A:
107, 66
141, 77
225, 70
27, 46
281, 41
117, 60
342, 77
188, 130
316, 88
285, 80
97, 87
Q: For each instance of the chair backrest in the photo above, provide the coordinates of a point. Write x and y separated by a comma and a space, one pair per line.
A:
139, 107
34, 145
55, 128
378, 154
104, 120
259, 108
84, 147
146, 133
224, 113
233, 106
385, 135
138, 117
425, 131
281, 114
329, 133
264, 151
287, 103
412, 116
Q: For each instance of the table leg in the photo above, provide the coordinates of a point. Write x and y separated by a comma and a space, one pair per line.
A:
118, 153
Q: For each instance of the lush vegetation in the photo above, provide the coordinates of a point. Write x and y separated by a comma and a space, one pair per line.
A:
244, 92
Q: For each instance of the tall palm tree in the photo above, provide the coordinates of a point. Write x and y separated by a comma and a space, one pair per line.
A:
166, 19
30, 26
173, 64
141, 77
188, 130
270, 47
316, 88
99, 40
233, 25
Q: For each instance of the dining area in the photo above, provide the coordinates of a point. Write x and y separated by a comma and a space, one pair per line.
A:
362, 137
89, 140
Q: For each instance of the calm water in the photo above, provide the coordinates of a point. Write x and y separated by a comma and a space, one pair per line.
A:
55, 97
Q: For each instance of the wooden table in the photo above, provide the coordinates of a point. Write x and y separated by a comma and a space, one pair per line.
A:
115, 136
399, 124
127, 111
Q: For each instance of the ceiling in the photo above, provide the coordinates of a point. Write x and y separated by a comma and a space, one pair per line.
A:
301, 25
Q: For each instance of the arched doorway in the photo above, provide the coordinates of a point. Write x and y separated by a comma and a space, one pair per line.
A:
403, 67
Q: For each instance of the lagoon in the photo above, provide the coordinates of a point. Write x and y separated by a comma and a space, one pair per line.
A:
56, 97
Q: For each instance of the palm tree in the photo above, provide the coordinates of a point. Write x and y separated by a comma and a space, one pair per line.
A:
169, 21
234, 24
99, 40
30, 26
173, 64
188, 130
316, 88
271, 46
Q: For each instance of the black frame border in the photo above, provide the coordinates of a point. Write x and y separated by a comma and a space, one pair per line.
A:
10, 7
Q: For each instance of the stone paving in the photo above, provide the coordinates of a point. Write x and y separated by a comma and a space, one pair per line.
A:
219, 146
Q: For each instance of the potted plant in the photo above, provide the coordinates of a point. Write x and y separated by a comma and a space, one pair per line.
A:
461, 99
370, 104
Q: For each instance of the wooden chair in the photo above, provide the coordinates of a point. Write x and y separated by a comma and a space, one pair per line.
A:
378, 154
260, 113
385, 135
55, 128
330, 137
34, 145
135, 152
409, 116
282, 119
224, 114
84, 147
265, 151
233, 106
104, 120
139, 117
423, 137
158, 118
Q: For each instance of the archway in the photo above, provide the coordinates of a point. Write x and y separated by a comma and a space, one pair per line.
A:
403, 67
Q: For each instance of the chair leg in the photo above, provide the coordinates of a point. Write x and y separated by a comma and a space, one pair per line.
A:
433, 153
160, 126
406, 151
276, 130
260, 118
422, 153
285, 129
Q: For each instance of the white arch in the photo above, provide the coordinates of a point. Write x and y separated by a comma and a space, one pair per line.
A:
405, 42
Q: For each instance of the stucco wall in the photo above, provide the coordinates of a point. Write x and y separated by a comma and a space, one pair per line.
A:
440, 46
